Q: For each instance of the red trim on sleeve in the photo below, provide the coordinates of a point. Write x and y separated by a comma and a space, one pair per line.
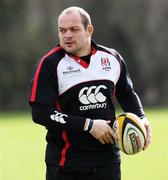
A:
35, 81
64, 150
65, 139
58, 106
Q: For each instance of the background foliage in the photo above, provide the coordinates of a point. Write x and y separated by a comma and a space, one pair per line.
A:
136, 28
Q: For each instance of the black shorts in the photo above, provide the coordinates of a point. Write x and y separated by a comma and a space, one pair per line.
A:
109, 172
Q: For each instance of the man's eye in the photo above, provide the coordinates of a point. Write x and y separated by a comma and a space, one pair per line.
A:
61, 30
74, 29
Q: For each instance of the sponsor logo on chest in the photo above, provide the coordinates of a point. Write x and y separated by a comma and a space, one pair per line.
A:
92, 98
105, 63
71, 71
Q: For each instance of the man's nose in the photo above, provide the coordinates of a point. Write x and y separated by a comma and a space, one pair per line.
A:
68, 33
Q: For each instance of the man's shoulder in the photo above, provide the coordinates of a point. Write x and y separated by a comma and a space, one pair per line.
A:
109, 51
54, 55
51, 58
101, 47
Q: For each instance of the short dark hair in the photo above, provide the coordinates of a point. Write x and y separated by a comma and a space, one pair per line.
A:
85, 17
85, 20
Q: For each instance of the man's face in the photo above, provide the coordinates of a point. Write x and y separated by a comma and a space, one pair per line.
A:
74, 38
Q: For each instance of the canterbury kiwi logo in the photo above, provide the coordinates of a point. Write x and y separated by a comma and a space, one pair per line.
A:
58, 117
92, 94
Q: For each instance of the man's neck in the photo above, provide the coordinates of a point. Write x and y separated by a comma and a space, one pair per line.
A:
86, 58
84, 52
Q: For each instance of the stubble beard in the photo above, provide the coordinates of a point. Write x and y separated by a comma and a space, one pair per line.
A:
77, 49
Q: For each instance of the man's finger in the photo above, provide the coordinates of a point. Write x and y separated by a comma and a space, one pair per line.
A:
102, 140
149, 136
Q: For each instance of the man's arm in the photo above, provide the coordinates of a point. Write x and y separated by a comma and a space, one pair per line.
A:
129, 100
126, 96
49, 117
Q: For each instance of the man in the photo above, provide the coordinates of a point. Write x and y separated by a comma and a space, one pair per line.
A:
72, 95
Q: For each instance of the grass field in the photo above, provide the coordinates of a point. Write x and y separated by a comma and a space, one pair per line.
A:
22, 149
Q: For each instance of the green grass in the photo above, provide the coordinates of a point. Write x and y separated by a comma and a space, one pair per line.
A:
22, 149
151, 164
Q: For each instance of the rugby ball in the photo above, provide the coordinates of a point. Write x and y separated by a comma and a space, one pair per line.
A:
130, 133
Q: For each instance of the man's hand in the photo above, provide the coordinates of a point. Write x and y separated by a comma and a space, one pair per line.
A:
148, 132
102, 131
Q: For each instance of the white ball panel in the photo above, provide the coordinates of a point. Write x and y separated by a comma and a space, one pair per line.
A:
130, 138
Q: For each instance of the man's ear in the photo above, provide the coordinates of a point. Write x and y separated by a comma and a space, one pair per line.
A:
90, 30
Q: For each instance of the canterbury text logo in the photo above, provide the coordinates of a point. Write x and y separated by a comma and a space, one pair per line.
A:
58, 117
92, 97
